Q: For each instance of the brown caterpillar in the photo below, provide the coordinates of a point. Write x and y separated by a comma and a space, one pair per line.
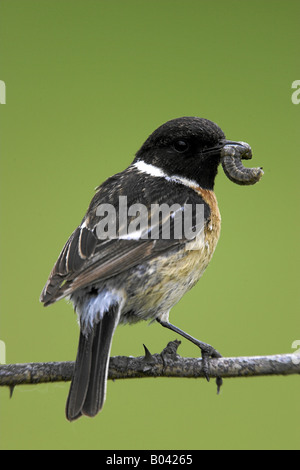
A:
231, 156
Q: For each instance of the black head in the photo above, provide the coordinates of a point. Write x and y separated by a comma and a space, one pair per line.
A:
189, 147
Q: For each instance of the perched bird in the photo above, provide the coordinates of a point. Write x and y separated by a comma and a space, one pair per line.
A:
130, 275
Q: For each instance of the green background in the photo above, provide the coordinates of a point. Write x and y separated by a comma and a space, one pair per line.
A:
87, 82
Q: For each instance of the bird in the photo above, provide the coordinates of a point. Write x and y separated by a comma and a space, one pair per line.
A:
132, 276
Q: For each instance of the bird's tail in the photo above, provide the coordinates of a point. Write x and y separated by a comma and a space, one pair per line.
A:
88, 387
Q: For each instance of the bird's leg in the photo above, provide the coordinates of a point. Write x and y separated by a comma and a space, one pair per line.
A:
207, 351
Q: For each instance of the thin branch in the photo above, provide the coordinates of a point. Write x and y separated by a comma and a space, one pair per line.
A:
166, 364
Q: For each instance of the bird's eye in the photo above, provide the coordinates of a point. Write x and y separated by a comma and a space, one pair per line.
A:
181, 146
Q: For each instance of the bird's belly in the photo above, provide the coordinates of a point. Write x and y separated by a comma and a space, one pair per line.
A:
159, 284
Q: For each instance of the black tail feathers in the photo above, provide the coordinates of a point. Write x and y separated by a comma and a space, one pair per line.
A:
88, 387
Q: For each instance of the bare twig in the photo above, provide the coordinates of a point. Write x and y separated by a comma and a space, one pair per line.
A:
166, 364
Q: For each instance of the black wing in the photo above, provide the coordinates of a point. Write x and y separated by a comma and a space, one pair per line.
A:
86, 259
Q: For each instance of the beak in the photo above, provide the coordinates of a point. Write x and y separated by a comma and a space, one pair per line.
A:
231, 148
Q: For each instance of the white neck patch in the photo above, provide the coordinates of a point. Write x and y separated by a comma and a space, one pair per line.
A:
155, 171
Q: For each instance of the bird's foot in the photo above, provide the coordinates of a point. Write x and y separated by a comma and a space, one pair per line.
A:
207, 352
